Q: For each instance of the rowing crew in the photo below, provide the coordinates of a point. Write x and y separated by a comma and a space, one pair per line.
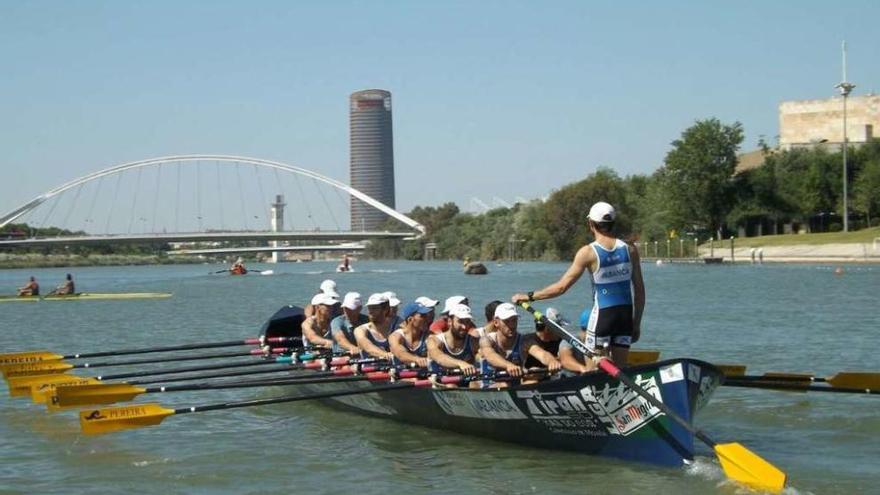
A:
406, 338
32, 288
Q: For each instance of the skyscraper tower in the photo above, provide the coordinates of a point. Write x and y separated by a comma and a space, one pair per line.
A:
372, 155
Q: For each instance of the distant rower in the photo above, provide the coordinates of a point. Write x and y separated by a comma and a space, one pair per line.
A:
238, 267
32, 288
65, 289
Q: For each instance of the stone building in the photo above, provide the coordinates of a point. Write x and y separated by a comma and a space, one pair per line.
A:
820, 122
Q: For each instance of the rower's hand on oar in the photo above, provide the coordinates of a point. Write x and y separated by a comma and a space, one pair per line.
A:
554, 367
467, 369
514, 371
422, 362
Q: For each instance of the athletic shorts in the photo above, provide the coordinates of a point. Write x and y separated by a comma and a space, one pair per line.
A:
610, 326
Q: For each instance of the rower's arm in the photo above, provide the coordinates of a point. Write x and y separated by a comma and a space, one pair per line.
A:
491, 355
360, 335
445, 360
309, 332
579, 265
546, 358
638, 284
342, 340
570, 362
396, 342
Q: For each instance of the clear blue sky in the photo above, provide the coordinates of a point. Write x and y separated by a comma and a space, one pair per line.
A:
507, 99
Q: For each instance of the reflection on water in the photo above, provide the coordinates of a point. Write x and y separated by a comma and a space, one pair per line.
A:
792, 318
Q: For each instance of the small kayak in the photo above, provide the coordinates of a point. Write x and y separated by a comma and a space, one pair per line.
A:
89, 296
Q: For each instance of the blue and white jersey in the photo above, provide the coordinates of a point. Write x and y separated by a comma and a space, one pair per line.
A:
612, 280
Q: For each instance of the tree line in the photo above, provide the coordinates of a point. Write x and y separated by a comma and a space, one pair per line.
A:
697, 193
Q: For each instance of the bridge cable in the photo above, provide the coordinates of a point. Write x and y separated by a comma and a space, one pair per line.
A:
72, 207
199, 193
241, 195
112, 203
57, 198
326, 204
134, 198
341, 199
89, 218
156, 198
219, 196
305, 201
260, 184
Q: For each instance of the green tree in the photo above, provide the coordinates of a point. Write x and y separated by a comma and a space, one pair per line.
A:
697, 173
866, 190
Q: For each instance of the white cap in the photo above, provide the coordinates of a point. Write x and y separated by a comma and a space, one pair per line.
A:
555, 315
427, 301
461, 312
393, 301
505, 311
352, 301
325, 299
377, 299
328, 286
602, 212
452, 302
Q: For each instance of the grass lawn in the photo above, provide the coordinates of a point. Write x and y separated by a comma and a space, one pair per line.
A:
859, 236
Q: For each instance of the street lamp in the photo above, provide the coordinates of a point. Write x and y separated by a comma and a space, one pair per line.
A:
845, 89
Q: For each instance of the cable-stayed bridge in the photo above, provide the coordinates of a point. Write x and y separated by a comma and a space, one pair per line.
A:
209, 203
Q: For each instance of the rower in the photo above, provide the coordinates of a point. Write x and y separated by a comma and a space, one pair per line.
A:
441, 324
545, 337
32, 288
65, 289
372, 337
428, 303
327, 287
316, 328
407, 343
571, 358
455, 348
342, 327
238, 267
490, 321
507, 349
394, 306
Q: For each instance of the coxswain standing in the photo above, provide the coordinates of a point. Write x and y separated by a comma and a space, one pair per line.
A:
618, 288
342, 327
455, 349
372, 337
316, 328
507, 349
32, 288
407, 343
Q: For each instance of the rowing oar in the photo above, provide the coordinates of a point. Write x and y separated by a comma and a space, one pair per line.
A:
42, 387
798, 387
21, 385
844, 379
100, 394
57, 367
738, 463
38, 356
106, 420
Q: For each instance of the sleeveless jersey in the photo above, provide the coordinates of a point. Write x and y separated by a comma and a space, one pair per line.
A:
421, 348
514, 355
612, 279
466, 353
327, 335
381, 344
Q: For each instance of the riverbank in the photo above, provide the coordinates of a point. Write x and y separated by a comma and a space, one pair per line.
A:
10, 261
862, 246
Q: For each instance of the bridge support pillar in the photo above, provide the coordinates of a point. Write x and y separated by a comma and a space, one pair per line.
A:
277, 225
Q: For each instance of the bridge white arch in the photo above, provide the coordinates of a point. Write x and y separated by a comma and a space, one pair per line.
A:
37, 201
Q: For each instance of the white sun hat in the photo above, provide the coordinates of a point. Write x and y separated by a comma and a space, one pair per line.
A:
505, 311
453, 301
393, 301
602, 212
427, 301
352, 301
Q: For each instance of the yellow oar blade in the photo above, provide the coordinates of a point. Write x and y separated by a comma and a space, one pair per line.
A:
732, 369
20, 386
42, 393
30, 369
642, 356
28, 357
853, 379
746, 467
95, 394
110, 419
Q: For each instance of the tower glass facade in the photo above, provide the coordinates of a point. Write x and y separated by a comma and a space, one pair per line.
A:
372, 156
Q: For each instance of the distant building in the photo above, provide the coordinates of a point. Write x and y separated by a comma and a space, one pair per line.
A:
372, 156
807, 123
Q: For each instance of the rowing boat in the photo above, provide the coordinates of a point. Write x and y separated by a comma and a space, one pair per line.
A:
88, 296
590, 413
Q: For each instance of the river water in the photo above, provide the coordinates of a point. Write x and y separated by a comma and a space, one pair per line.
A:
773, 318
